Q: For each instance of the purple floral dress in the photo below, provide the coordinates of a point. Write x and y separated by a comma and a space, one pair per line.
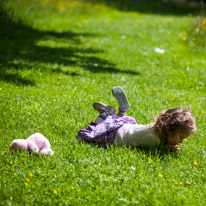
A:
104, 132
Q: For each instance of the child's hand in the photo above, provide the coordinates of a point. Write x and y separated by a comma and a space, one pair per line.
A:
175, 148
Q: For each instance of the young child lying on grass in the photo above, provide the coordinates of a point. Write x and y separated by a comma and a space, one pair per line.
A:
169, 129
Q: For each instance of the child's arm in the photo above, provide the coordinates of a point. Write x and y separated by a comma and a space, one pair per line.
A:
175, 148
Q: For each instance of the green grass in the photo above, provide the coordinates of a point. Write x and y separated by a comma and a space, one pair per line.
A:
57, 59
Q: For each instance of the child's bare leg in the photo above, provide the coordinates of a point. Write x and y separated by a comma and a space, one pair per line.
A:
104, 111
122, 113
122, 100
101, 118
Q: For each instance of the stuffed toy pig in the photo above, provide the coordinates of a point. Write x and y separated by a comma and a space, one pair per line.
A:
35, 143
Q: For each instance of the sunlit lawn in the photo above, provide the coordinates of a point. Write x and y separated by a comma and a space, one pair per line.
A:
56, 59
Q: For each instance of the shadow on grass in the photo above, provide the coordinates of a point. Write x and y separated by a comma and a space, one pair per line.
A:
144, 150
160, 7
20, 51
154, 152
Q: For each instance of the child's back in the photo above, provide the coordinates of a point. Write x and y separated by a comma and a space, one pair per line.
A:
136, 135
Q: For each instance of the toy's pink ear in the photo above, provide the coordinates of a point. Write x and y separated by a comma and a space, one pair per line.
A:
18, 144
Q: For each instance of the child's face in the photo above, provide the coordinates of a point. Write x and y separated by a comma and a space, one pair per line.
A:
178, 138
174, 141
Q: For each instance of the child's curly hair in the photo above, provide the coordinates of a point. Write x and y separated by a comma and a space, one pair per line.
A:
174, 122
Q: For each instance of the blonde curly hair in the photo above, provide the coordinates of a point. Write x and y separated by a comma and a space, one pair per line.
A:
172, 123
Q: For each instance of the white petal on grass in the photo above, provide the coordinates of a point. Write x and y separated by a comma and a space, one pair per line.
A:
158, 50
132, 168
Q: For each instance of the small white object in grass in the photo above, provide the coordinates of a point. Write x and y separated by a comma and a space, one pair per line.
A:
132, 168
158, 50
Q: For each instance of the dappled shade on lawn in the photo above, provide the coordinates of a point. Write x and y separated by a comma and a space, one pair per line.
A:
20, 50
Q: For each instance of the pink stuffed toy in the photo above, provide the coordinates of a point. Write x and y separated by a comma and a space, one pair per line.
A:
35, 143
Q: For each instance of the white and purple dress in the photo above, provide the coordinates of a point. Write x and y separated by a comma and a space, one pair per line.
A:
120, 130
104, 132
